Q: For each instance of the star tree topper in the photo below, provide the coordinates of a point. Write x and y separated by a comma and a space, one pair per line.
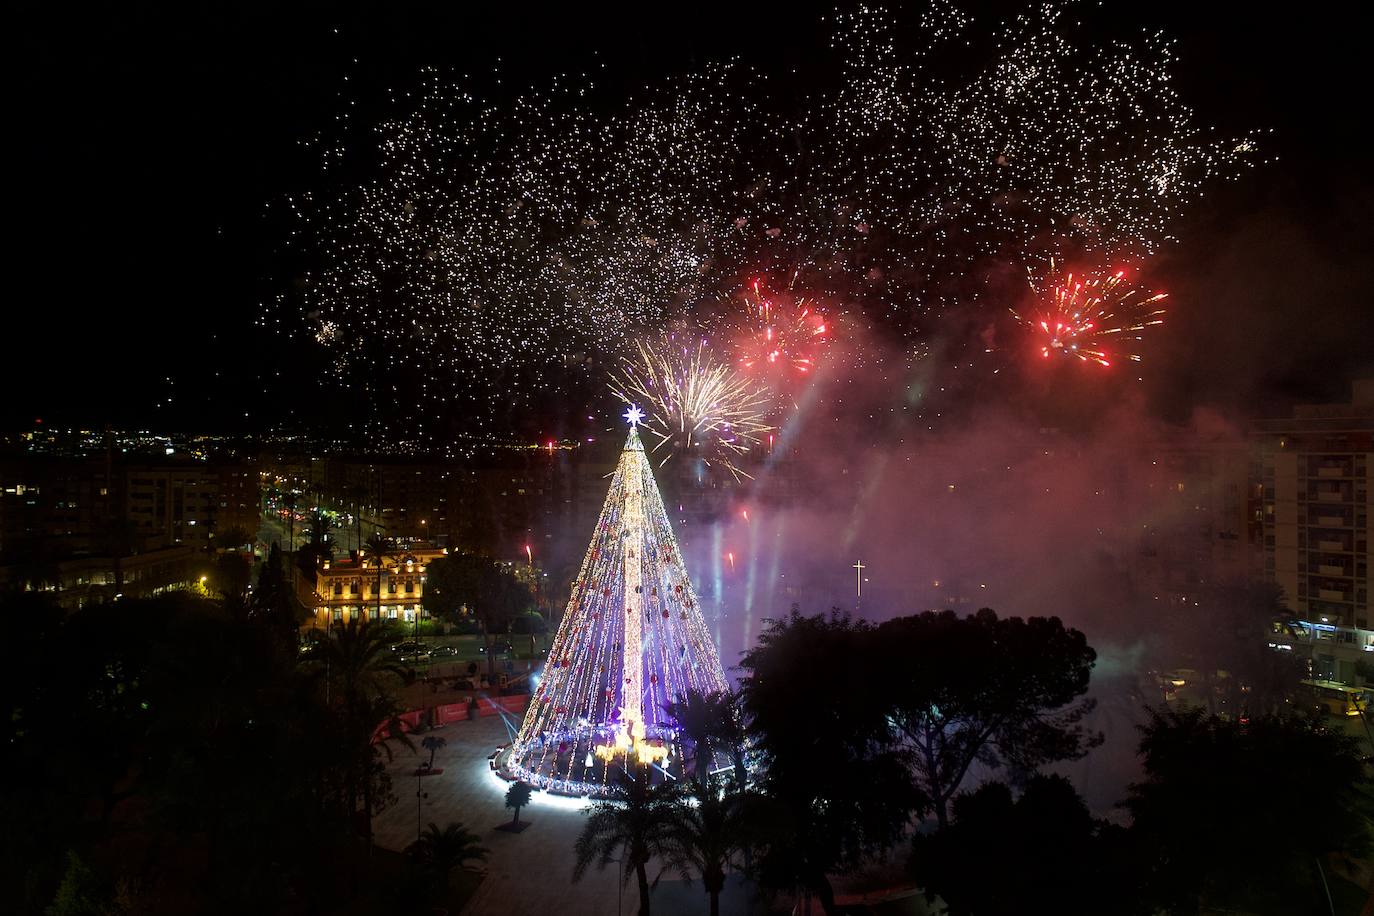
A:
634, 415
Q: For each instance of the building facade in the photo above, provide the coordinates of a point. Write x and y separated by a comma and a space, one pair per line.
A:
390, 587
90, 528
1316, 483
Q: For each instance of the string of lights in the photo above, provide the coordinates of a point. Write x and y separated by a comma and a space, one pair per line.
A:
633, 640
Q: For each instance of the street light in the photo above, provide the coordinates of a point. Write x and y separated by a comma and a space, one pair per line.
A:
419, 800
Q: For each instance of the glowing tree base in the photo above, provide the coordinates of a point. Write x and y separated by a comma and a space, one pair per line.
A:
632, 642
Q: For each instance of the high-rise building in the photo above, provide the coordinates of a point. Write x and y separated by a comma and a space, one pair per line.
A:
187, 503
1314, 517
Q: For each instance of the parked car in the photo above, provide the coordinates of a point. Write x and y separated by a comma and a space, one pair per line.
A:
443, 652
411, 649
497, 647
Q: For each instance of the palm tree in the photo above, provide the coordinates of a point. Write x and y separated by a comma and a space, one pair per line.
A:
290, 501
441, 851
320, 526
517, 797
367, 742
711, 837
380, 547
360, 660
320, 544
697, 715
432, 743
360, 670
358, 493
731, 735
639, 825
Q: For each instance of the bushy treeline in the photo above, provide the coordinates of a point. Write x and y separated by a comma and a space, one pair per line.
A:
930, 738
175, 755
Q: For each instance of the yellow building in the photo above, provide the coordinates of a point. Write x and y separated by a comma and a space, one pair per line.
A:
389, 587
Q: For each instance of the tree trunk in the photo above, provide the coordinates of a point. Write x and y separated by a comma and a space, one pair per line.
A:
517, 815
715, 903
641, 873
702, 754
942, 811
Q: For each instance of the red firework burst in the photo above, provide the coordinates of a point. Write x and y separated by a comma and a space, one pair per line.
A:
779, 333
1085, 316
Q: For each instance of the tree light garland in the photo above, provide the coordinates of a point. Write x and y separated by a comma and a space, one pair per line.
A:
633, 640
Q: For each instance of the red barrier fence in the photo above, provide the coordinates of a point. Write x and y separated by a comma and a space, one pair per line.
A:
494, 705
448, 713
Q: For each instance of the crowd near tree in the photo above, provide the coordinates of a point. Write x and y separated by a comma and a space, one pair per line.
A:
182, 755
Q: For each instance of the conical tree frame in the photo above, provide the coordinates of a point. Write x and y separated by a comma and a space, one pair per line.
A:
632, 597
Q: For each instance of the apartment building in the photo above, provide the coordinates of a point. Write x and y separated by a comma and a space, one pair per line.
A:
1316, 476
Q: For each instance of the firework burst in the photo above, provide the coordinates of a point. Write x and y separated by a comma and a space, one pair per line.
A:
779, 333
694, 404
469, 259
1085, 316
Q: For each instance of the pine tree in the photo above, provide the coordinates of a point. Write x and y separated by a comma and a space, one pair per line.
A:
632, 643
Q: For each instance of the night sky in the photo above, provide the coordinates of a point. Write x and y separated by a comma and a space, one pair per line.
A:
151, 136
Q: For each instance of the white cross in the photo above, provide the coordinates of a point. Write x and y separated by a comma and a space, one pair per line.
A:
859, 575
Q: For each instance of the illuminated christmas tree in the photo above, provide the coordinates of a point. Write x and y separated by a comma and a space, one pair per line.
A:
632, 641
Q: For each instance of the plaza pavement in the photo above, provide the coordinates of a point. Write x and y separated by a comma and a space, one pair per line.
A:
529, 872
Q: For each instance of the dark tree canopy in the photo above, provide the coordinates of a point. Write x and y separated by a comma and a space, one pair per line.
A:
482, 585
1000, 692
1006, 856
171, 696
1239, 816
838, 785
1224, 636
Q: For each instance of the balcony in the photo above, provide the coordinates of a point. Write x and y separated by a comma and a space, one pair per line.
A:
1333, 546
1331, 594
1327, 569
1333, 470
1329, 521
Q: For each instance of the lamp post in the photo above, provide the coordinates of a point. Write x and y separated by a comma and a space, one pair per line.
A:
419, 801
